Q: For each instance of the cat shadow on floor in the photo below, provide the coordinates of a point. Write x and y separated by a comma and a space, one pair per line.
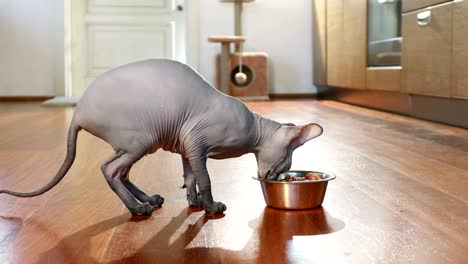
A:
172, 243
272, 232
76, 247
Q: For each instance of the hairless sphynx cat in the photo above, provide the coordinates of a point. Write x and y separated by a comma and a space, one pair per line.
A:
143, 106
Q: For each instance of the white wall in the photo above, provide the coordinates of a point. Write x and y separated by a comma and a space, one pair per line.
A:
281, 28
31, 47
31, 42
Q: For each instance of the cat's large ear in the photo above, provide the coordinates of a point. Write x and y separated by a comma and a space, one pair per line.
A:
302, 134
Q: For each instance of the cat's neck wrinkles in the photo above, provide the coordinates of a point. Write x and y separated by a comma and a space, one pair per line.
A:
264, 129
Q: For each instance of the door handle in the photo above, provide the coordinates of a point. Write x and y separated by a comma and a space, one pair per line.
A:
180, 8
424, 18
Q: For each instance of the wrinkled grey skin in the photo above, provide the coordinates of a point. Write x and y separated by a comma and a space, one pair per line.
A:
144, 106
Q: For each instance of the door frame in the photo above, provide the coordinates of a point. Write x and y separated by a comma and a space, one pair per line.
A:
192, 40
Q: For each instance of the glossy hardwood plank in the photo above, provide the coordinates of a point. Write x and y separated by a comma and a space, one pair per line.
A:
41, 222
295, 236
80, 201
439, 191
430, 140
396, 155
370, 114
398, 198
245, 251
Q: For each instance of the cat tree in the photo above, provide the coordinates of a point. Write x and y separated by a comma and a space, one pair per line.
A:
241, 74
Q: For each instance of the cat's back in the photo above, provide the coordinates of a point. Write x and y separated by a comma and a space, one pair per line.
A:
152, 80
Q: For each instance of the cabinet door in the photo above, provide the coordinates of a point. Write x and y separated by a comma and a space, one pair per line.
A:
319, 40
335, 43
410, 5
427, 52
346, 43
355, 43
385, 79
460, 50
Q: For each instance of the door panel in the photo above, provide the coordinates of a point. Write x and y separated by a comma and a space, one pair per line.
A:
114, 45
110, 33
126, 6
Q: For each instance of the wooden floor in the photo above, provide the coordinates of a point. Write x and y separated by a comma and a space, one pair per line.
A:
401, 196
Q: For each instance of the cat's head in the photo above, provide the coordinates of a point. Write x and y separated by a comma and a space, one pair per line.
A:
275, 155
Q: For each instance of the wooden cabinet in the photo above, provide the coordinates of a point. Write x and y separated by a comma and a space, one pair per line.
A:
355, 43
427, 52
319, 40
410, 5
434, 56
460, 50
346, 43
335, 31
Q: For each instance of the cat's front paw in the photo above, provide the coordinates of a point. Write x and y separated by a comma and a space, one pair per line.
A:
215, 208
195, 201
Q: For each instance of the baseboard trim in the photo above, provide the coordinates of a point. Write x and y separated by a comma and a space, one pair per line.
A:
394, 102
293, 96
24, 98
61, 101
448, 111
253, 98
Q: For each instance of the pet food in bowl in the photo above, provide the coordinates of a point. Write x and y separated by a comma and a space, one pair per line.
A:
296, 189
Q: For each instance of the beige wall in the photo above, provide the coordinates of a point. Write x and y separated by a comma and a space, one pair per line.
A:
31, 47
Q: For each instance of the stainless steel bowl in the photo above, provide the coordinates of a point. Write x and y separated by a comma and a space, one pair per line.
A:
295, 195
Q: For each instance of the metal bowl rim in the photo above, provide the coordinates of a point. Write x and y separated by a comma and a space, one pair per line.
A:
332, 177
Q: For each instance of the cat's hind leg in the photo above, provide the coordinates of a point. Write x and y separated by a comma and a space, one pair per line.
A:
155, 200
113, 170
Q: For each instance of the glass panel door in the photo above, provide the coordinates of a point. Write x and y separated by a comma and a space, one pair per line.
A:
384, 33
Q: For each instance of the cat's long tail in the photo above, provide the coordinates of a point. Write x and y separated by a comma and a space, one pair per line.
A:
67, 163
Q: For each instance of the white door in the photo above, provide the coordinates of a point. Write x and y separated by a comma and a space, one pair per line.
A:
109, 33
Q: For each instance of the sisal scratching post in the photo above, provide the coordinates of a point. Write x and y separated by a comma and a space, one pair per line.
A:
242, 74
225, 58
